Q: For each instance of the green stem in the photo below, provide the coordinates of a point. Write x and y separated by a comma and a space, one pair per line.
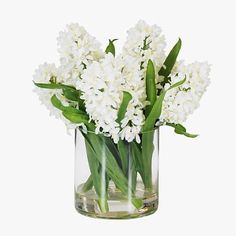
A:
112, 167
132, 170
88, 184
98, 177
147, 152
137, 158
123, 151
113, 149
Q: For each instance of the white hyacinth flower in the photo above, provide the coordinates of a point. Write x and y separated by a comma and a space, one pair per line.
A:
180, 102
48, 73
77, 49
102, 79
145, 42
101, 89
102, 85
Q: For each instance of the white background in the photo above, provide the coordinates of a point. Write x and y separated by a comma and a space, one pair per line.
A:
197, 176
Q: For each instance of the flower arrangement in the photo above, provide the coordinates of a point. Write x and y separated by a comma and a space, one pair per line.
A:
123, 97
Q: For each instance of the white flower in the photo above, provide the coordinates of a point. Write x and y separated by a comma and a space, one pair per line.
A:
101, 89
145, 42
77, 50
102, 79
182, 101
48, 73
135, 85
102, 85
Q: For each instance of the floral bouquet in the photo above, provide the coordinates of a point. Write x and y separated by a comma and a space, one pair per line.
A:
116, 104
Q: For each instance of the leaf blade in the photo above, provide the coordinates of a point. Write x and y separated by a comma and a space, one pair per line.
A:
123, 107
97, 178
111, 47
71, 94
123, 151
177, 84
74, 95
150, 86
53, 86
154, 114
180, 129
58, 104
170, 60
157, 108
79, 119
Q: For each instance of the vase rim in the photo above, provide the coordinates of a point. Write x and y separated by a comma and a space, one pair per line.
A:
142, 132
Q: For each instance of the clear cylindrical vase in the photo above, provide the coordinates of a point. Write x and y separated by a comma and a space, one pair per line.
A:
116, 180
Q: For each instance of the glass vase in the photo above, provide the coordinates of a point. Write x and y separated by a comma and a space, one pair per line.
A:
116, 180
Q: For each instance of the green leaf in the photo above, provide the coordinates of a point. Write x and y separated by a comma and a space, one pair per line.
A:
147, 152
79, 119
177, 84
145, 44
157, 108
150, 86
72, 114
58, 104
154, 114
180, 129
113, 149
137, 155
53, 86
122, 147
74, 95
75, 117
71, 94
137, 202
97, 177
132, 168
124, 104
88, 184
111, 47
112, 167
170, 60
